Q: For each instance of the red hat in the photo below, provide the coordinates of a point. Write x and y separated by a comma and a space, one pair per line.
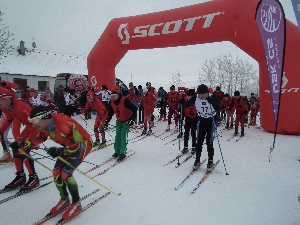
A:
210, 90
115, 89
90, 94
5, 94
32, 90
181, 89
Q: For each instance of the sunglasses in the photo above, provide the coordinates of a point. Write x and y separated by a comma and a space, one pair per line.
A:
35, 120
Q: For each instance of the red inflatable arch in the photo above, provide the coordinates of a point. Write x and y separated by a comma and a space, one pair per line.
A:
214, 21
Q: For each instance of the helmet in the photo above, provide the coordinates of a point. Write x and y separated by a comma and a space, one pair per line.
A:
148, 84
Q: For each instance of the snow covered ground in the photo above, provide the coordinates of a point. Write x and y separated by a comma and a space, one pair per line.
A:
256, 191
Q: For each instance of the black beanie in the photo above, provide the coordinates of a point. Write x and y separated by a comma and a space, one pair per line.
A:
202, 89
236, 93
40, 111
190, 92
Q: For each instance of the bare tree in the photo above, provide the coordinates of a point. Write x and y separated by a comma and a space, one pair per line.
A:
230, 74
6, 38
208, 76
176, 80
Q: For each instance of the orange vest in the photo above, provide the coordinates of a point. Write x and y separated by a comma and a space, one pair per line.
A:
240, 105
121, 112
173, 98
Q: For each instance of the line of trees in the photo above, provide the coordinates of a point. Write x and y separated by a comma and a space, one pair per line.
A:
230, 74
6, 37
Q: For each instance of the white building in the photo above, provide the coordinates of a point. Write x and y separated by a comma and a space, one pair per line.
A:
38, 68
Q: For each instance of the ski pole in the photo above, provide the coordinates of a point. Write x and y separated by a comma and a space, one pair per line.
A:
214, 124
93, 129
180, 131
69, 164
29, 156
87, 176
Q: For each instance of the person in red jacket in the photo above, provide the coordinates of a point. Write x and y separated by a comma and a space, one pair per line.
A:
126, 114
241, 106
148, 102
25, 95
16, 125
76, 144
229, 113
39, 99
14, 108
254, 109
96, 104
172, 99
133, 96
190, 125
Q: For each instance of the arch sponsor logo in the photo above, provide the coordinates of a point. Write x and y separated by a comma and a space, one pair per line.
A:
170, 27
78, 81
283, 86
271, 17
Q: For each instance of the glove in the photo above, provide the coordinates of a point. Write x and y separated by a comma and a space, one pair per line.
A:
14, 145
56, 151
25, 144
3, 83
210, 100
246, 112
229, 109
130, 122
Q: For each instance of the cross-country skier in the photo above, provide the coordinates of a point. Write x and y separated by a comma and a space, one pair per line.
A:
100, 119
241, 106
207, 107
172, 99
13, 109
76, 145
191, 120
125, 113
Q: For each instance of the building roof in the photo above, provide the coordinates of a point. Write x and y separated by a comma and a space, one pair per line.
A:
43, 63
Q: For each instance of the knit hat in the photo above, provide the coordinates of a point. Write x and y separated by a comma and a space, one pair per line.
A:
5, 94
172, 87
236, 93
115, 90
210, 90
181, 89
202, 89
104, 87
190, 92
252, 93
32, 90
218, 88
226, 95
148, 83
41, 112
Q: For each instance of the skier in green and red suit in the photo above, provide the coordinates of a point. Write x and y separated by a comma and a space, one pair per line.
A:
76, 143
126, 114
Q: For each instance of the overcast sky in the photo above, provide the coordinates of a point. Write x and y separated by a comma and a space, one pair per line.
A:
74, 26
